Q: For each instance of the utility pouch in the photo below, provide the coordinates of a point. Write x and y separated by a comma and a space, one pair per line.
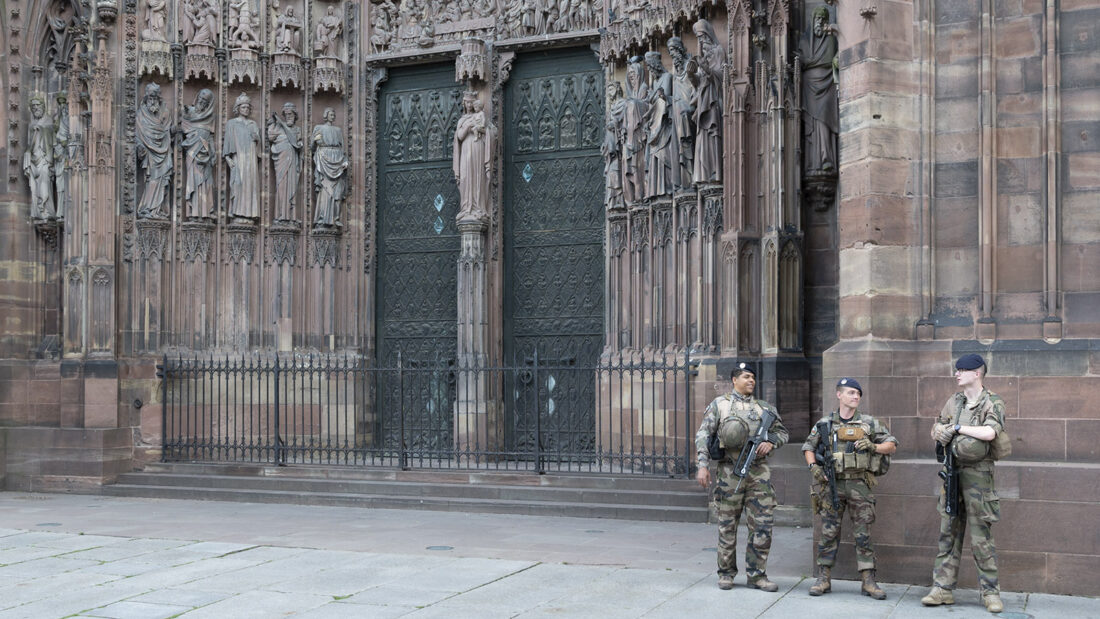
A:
850, 432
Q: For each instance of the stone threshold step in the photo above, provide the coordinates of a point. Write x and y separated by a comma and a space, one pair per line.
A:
463, 477
572, 509
690, 498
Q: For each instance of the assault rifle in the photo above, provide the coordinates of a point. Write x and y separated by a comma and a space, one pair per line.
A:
823, 455
950, 476
748, 452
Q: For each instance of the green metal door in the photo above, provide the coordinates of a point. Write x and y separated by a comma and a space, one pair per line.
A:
418, 247
553, 242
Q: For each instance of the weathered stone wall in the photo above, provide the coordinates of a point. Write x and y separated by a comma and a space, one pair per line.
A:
967, 217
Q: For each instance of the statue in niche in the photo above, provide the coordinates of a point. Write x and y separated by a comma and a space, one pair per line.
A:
154, 153
243, 22
38, 160
155, 20
197, 123
707, 103
288, 31
61, 153
326, 37
661, 156
286, 154
329, 171
473, 156
634, 131
612, 147
200, 24
240, 147
820, 119
683, 111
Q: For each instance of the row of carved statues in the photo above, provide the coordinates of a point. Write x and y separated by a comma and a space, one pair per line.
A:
412, 23
664, 133
199, 25
44, 161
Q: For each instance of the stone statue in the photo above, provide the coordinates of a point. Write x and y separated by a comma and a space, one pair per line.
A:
154, 153
286, 154
38, 160
661, 158
327, 35
634, 133
198, 148
329, 171
612, 147
243, 22
473, 155
288, 32
155, 20
61, 153
240, 147
820, 116
200, 23
683, 112
382, 30
707, 104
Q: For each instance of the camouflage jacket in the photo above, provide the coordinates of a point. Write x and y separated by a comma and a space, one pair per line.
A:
743, 407
875, 429
987, 410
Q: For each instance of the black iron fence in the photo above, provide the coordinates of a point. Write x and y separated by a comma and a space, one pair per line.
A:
622, 416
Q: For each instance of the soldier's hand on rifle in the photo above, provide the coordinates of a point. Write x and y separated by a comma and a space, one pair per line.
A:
703, 477
864, 444
818, 473
764, 449
943, 433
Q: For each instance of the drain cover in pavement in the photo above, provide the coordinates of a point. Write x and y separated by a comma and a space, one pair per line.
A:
1014, 615
48, 524
441, 547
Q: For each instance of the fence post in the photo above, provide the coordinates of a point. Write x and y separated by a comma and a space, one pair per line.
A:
403, 461
690, 451
162, 374
538, 416
278, 441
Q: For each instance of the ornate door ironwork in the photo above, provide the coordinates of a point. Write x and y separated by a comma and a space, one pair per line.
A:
553, 239
418, 247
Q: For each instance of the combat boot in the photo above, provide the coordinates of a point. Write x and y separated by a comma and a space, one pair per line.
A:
823, 584
725, 582
937, 596
870, 587
992, 601
761, 582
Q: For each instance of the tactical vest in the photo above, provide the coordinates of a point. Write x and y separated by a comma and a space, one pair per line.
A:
850, 463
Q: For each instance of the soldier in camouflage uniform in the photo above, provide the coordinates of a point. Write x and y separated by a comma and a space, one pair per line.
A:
856, 463
968, 423
735, 417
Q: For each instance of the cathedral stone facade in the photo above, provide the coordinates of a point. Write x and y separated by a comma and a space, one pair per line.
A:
824, 189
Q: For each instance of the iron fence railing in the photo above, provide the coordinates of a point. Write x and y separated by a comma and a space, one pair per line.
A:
619, 416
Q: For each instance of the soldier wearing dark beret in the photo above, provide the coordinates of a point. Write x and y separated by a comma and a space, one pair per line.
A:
733, 419
859, 446
969, 422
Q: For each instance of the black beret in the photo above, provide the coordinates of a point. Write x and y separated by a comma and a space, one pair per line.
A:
741, 367
849, 382
970, 361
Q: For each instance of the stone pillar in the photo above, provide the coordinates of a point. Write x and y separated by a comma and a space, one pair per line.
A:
236, 299
474, 413
195, 288
688, 271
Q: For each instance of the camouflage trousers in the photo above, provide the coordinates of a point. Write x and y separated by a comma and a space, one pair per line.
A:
756, 497
979, 508
855, 497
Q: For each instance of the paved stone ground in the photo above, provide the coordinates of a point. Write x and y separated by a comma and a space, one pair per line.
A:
91, 556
